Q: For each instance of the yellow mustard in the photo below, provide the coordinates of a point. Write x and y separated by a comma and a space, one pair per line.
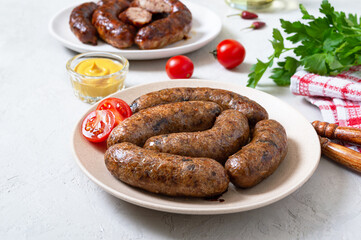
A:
96, 67
92, 84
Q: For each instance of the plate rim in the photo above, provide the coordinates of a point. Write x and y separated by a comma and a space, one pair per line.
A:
148, 54
185, 210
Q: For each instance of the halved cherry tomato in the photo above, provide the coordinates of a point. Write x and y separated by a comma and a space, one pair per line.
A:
97, 125
118, 107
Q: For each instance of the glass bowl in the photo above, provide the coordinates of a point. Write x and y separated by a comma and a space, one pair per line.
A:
91, 89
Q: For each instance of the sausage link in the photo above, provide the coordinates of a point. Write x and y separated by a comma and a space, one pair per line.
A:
226, 99
80, 22
261, 157
169, 118
167, 30
229, 133
110, 28
165, 173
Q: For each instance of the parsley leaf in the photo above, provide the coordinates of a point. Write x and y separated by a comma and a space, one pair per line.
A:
260, 68
284, 72
325, 45
277, 43
257, 72
306, 15
315, 63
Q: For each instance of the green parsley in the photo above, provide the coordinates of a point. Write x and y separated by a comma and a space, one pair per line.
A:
326, 45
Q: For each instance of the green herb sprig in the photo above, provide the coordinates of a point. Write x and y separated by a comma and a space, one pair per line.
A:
326, 45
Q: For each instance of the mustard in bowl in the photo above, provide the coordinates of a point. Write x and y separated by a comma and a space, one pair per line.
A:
95, 75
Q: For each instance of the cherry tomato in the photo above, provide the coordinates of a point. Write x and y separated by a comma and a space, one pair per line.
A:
179, 67
97, 125
118, 107
230, 53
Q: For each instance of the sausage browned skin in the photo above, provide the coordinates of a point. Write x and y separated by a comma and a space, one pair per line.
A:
165, 173
110, 28
261, 157
169, 118
167, 30
229, 133
226, 99
80, 22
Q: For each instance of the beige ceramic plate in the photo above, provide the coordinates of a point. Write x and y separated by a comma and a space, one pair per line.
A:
301, 161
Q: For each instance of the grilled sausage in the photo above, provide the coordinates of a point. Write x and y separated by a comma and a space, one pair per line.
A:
261, 157
165, 173
229, 133
80, 22
170, 118
110, 28
226, 99
136, 16
167, 30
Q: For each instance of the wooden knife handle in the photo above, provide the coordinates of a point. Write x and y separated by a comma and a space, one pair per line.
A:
341, 154
333, 131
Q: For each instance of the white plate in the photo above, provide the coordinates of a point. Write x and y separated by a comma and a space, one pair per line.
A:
206, 25
298, 166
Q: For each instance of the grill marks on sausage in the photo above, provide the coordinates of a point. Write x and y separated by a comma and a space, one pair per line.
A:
160, 124
186, 159
191, 167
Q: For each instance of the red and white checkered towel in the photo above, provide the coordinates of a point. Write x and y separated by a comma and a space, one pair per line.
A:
338, 97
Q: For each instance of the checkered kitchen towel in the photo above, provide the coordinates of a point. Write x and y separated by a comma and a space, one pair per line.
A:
338, 97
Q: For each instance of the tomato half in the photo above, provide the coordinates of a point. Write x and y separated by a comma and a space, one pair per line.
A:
179, 67
230, 53
118, 107
97, 125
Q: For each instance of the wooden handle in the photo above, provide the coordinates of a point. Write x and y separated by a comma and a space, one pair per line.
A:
341, 154
333, 131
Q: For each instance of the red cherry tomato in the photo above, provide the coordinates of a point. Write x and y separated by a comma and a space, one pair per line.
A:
97, 125
118, 107
230, 53
179, 67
